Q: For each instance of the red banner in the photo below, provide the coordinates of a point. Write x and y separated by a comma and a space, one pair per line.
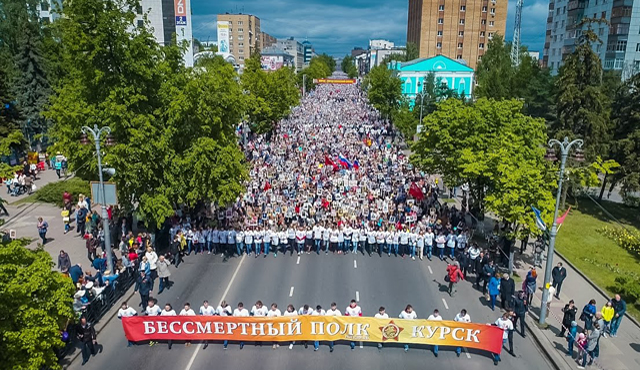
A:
334, 81
311, 328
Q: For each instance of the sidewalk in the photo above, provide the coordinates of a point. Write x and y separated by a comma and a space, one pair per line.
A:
43, 179
620, 353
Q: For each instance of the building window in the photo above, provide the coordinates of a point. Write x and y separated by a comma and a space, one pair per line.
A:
440, 20
461, 33
463, 8
241, 51
484, 21
240, 30
552, 65
481, 33
564, 9
491, 23
493, 11
604, 15
241, 57
44, 6
638, 47
439, 33
459, 57
484, 9
462, 21
553, 52
490, 35
240, 44
561, 36
558, 11
140, 23
240, 37
138, 9
481, 45
459, 45
441, 8
240, 23
439, 45
621, 45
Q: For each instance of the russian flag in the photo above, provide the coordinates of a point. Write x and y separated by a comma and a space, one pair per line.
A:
539, 222
344, 161
356, 165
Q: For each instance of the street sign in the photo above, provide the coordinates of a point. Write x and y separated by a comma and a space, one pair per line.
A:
110, 193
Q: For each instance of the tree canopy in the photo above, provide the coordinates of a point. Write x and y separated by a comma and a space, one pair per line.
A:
349, 67
496, 149
318, 68
35, 304
384, 89
174, 127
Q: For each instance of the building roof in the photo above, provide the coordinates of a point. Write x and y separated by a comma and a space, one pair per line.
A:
433, 64
272, 51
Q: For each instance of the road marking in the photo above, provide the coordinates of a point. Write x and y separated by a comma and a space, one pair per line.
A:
224, 295
361, 345
298, 261
466, 352
357, 296
430, 270
291, 292
445, 304
355, 264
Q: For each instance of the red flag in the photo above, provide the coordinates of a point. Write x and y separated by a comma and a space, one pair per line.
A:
415, 192
560, 219
267, 186
328, 161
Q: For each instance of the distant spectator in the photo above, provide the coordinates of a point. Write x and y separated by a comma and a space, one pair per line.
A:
43, 226
620, 307
75, 272
559, 273
64, 261
588, 313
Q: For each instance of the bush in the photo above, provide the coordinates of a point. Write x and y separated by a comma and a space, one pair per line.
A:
52, 192
628, 288
624, 238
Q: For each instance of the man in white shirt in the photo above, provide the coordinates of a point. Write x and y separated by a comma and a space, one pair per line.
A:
266, 240
259, 310
240, 311
382, 314
413, 242
389, 241
355, 311
420, 244
404, 242
462, 316
317, 237
291, 236
435, 317
248, 241
318, 312
408, 314
206, 310
308, 240
333, 311
275, 243
187, 311
371, 241
291, 311
506, 325
126, 311
300, 238
168, 311
239, 242
152, 308
348, 232
355, 239
380, 242
274, 312
429, 237
396, 242
257, 241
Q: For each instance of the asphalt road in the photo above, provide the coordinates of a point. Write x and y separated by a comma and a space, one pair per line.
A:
388, 281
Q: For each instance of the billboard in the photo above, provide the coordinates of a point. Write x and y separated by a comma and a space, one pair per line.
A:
223, 38
271, 62
180, 7
334, 81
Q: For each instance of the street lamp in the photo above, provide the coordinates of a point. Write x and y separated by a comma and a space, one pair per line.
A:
97, 133
564, 146
422, 95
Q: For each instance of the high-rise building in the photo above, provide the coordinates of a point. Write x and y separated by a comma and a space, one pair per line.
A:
267, 40
295, 49
48, 10
460, 30
169, 19
309, 52
619, 32
244, 35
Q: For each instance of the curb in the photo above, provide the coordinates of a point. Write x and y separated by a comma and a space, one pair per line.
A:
554, 358
113, 312
597, 288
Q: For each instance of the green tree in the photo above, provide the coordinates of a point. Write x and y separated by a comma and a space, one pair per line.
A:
36, 304
405, 120
582, 106
409, 53
317, 68
495, 71
625, 114
349, 67
174, 127
494, 148
384, 90
328, 61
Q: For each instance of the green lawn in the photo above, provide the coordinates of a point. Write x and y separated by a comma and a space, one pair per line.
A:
601, 259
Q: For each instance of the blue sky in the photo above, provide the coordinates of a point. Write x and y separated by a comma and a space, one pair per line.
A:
336, 26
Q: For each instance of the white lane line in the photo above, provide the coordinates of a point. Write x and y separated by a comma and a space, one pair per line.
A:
224, 295
355, 264
361, 345
445, 304
291, 292
430, 270
357, 296
466, 352
298, 261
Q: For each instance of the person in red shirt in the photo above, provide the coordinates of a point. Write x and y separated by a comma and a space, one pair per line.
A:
454, 274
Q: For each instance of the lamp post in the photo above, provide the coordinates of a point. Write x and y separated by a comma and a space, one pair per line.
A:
564, 146
97, 133
422, 95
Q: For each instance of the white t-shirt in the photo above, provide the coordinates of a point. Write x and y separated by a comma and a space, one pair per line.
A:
409, 316
207, 311
128, 312
224, 311
331, 312
460, 318
381, 316
153, 310
318, 313
434, 318
505, 325
262, 311
188, 312
240, 312
274, 313
353, 311
292, 313
168, 313
428, 238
